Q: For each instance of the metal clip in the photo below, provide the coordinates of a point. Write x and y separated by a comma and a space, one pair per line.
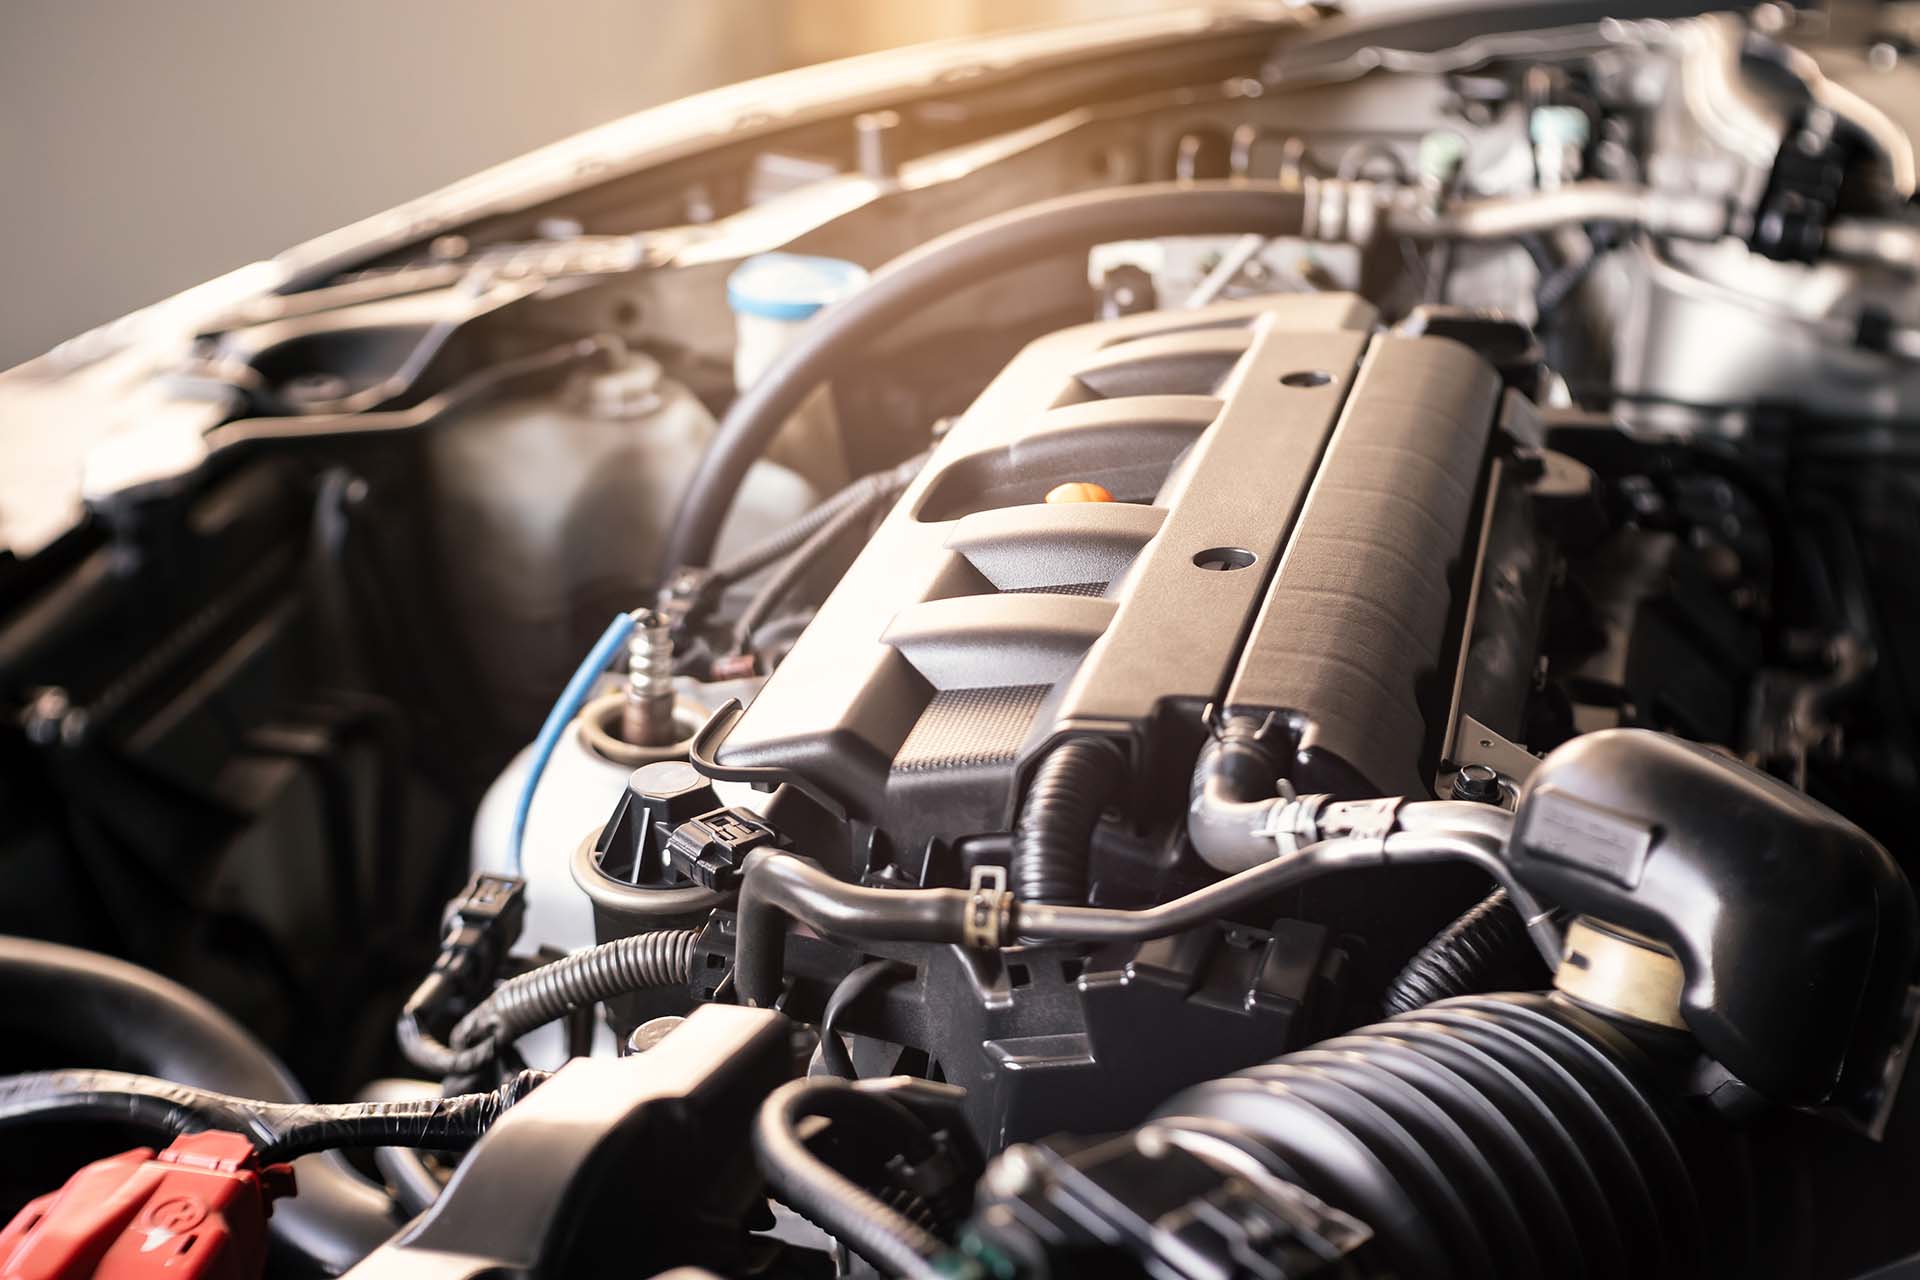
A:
1368, 820
988, 903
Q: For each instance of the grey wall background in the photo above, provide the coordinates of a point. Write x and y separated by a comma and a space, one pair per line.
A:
145, 147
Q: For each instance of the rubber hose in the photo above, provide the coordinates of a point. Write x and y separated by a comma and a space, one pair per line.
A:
1233, 794
1069, 791
539, 996
777, 888
1499, 1136
1486, 949
831, 1057
886, 1238
91, 1008
905, 287
279, 1130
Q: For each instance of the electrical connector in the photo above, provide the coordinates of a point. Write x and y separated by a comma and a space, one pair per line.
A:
483, 923
710, 848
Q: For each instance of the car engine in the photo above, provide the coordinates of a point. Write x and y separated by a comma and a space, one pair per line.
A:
1238, 643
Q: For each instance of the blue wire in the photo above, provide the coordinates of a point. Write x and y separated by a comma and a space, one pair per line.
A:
572, 698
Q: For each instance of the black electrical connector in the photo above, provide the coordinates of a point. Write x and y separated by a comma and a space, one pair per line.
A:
710, 849
483, 923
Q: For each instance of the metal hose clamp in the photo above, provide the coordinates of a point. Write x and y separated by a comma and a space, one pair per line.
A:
989, 904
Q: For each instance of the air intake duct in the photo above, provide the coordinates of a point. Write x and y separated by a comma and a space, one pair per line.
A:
1507, 1135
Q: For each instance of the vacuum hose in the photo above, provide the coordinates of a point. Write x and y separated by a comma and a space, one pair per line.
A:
1234, 791
885, 1237
902, 289
1070, 789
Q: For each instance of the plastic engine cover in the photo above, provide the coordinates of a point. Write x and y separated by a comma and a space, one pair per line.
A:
1292, 494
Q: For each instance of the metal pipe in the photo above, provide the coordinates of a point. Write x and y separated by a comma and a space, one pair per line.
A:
1687, 217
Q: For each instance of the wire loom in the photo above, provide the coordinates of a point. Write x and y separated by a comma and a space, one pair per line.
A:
279, 1131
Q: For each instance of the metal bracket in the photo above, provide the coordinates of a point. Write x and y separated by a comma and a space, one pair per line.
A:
1474, 743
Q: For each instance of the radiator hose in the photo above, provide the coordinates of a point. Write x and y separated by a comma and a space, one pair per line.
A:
903, 288
1070, 789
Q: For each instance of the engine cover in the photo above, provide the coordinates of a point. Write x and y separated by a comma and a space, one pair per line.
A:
1292, 494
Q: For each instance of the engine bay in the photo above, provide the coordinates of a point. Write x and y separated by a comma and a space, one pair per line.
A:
1252, 644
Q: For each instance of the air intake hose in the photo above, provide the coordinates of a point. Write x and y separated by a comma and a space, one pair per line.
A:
1511, 1135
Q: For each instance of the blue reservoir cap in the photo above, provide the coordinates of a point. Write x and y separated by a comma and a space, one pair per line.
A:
791, 286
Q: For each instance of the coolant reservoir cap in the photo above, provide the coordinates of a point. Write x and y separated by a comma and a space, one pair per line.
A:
791, 286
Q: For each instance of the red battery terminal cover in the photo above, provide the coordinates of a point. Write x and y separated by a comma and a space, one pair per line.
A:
197, 1209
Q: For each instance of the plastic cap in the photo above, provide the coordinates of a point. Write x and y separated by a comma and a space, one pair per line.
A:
1562, 126
791, 286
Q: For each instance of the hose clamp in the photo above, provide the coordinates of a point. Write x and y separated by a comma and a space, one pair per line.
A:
1370, 821
989, 904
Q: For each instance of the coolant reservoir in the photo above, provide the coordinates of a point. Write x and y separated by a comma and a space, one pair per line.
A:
774, 296
551, 513
549, 517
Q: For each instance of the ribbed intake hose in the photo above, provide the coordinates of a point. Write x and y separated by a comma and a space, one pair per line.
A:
1509, 1135
1070, 789
1486, 949
279, 1130
539, 996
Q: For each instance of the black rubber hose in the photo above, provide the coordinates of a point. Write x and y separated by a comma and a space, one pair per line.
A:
776, 888
86, 1007
644, 961
906, 286
1233, 792
890, 1241
1486, 949
832, 1057
1063, 804
279, 1130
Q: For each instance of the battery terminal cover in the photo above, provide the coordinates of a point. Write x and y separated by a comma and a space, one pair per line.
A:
197, 1209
